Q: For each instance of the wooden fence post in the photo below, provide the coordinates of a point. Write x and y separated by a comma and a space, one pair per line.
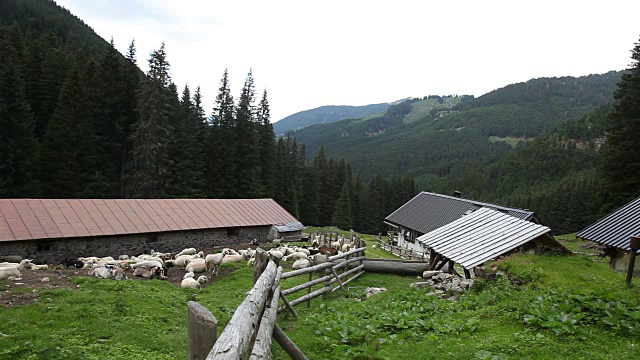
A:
287, 345
202, 331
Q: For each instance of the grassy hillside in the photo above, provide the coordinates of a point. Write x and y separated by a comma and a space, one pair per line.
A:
555, 307
325, 115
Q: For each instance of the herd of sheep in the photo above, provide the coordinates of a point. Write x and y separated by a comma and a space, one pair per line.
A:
156, 264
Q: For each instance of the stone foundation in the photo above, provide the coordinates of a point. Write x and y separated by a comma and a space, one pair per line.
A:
55, 250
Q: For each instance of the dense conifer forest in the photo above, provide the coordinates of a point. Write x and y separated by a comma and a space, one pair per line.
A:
80, 120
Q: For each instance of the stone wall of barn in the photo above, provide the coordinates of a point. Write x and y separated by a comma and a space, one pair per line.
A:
56, 250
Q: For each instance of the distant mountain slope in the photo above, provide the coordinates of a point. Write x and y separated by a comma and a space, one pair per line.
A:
555, 175
326, 115
451, 137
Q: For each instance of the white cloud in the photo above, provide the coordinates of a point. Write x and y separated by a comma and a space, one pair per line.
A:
310, 54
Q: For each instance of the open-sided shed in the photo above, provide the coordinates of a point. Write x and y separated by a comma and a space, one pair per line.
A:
615, 230
483, 235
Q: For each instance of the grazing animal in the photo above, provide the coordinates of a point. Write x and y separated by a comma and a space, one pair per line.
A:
149, 273
8, 270
346, 247
275, 254
189, 251
325, 250
191, 283
295, 256
189, 274
102, 271
213, 261
197, 266
123, 257
39, 267
301, 264
232, 259
72, 263
336, 245
251, 262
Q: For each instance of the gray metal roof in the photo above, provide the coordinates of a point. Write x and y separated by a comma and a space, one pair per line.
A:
616, 228
481, 236
294, 226
429, 211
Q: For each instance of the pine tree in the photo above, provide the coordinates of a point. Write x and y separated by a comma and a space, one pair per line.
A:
220, 149
149, 163
621, 164
71, 165
186, 151
342, 213
247, 148
267, 139
131, 79
19, 149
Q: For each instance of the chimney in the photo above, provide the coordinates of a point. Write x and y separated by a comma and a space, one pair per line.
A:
457, 194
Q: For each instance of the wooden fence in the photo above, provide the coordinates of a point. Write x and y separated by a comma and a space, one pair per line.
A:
253, 324
402, 252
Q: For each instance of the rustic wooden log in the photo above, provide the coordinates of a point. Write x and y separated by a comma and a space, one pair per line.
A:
202, 331
436, 259
262, 346
442, 263
309, 289
287, 305
392, 266
347, 273
318, 267
345, 254
467, 274
235, 340
350, 280
307, 284
333, 270
450, 267
341, 263
262, 259
313, 294
287, 345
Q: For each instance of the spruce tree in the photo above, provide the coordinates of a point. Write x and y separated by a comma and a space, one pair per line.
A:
220, 144
267, 140
131, 79
621, 164
149, 163
19, 149
71, 165
247, 149
342, 213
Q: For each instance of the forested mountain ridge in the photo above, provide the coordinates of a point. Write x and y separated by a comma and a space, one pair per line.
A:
80, 120
446, 141
325, 115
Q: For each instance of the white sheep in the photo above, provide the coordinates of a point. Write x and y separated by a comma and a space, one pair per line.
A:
336, 245
295, 256
251, 262
189, 274
213, 261
7, 272
299, 249
191, 283
189, 251
197, 266
123, 257
102, 271
230, 251
39, 267
275, 254
301, 264
232, 259
182, 261
146, 264
277, 241
346, 247
149, 273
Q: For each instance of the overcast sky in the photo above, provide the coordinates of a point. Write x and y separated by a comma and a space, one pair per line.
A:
313, 53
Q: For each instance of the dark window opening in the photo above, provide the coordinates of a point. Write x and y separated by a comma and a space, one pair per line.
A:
233, 231
43, 247
152, 238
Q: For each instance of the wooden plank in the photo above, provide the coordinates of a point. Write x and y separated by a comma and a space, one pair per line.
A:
262, 346
235, 341
201, 331
305, 285
287, 345
338, 278
288, 305
313, 294
309, 289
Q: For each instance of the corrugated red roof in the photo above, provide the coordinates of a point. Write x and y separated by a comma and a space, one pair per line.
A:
27, 219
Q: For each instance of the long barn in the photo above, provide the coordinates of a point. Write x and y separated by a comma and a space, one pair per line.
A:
53, 229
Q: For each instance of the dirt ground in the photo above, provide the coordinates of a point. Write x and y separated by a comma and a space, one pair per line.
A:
26, 290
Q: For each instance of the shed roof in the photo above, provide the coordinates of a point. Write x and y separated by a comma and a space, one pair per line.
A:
480, 236
27, 219
616, 228
294, 226
429, 211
